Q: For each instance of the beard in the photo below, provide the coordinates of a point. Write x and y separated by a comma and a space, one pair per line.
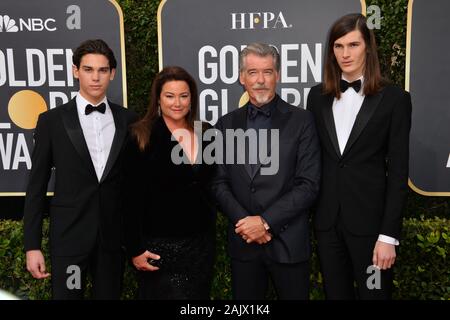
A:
261, 97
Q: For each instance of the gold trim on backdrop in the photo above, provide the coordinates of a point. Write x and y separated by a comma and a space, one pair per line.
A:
17, 194
122, 53
363, 7
160, 55
427, 193
408, 43
407, 80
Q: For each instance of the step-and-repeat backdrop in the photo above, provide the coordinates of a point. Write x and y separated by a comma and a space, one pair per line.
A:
37, 39
427, 78
205, 37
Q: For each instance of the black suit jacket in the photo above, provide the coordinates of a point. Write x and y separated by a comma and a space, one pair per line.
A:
367, 184
282, 199
82, 207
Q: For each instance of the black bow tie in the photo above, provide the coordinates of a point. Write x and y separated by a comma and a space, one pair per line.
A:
100, 108
253, 112
356, 85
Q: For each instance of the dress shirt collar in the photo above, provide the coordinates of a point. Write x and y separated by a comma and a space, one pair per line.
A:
82, 102
361, 92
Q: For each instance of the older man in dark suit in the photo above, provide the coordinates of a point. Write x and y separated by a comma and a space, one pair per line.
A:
267, 198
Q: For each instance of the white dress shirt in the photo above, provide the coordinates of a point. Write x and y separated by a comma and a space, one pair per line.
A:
98, 130
345, 111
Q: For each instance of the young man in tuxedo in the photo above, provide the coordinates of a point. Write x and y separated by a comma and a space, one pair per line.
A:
82, 140
363, 125
268, 233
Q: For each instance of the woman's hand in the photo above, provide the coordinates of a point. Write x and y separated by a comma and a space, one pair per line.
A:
141, 262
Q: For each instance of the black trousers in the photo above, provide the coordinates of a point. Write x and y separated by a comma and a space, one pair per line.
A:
344, 260
250, 279
68, 275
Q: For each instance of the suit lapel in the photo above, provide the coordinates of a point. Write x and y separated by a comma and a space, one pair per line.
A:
327, 112
75, 133
367, 110
240, 122
278, 121
119, 136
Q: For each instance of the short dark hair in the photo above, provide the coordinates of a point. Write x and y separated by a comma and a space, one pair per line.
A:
96, 46
373, 81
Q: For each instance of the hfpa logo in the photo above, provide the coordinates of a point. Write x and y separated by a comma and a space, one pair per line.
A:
261, 20
7, 24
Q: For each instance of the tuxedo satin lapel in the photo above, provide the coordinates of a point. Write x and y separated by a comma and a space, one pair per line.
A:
119, 136
278, 121
240, 122
327, 112
367, 110
75, 133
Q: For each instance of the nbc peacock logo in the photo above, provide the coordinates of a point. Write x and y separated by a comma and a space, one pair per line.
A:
7, 24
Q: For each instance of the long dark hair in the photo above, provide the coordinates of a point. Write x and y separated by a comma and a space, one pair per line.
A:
141, 130
373, 82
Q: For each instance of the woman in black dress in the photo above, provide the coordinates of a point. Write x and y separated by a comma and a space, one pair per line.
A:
169, 214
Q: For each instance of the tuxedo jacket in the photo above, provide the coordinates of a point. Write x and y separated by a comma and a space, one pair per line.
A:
366, 186
282, 199
83, 210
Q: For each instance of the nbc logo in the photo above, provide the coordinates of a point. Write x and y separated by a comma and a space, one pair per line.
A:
7, 24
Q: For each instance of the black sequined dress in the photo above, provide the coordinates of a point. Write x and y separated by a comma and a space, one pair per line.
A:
186, 268
168, 210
